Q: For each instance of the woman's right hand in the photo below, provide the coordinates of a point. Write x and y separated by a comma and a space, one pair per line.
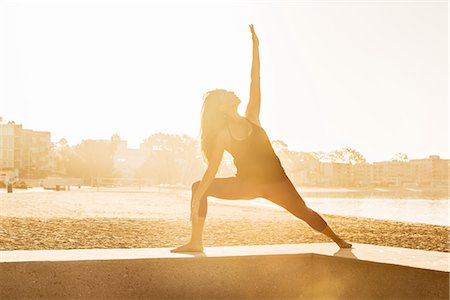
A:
254, 36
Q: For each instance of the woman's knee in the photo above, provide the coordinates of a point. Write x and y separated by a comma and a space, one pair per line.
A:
195, 185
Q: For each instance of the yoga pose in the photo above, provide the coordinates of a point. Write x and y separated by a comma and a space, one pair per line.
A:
259, 171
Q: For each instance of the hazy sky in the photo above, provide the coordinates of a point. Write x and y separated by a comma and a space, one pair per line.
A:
370, 75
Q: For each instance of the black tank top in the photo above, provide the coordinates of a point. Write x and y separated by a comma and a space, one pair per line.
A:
255, 158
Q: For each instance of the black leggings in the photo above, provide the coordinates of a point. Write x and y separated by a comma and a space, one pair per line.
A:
282, 193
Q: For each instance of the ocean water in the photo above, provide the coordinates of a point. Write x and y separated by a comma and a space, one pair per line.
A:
435, 212
133, 202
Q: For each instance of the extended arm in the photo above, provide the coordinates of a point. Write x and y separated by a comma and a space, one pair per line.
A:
253, 106
209, 175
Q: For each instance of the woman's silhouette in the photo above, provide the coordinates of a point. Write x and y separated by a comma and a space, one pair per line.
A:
259, 171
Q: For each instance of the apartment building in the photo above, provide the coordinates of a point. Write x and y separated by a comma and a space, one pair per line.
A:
35, 154
10, 146
336, 174
24, 152
428, 172
432, 171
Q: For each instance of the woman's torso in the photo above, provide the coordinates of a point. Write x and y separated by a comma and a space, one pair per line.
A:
254, 157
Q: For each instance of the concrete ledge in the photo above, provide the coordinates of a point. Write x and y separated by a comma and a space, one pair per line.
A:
237, 272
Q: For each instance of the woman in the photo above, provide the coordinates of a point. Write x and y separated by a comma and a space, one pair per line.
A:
259, 171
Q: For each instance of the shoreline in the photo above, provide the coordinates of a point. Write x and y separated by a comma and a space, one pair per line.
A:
307, 191
391, 193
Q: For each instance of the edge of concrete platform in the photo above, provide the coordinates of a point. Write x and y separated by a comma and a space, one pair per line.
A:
429, 260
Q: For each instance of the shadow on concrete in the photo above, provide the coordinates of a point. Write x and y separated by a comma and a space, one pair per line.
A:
347, 253
194, 254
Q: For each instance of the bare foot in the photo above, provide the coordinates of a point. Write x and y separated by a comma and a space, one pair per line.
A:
343, 244
189, 247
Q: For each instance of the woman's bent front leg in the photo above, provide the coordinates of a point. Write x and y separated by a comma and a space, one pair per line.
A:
228, 188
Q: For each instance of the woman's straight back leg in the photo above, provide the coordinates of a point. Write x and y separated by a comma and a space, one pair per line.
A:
285, 194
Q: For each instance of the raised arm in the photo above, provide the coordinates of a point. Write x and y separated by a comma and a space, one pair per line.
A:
254, 103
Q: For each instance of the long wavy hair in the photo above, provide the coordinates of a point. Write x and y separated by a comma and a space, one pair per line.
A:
212, 121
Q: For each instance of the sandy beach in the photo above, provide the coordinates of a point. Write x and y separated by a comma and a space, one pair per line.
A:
160, 218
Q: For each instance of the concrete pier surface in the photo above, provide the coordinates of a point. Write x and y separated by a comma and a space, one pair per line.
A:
284, 271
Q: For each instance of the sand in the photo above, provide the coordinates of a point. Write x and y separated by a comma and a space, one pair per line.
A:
82, 219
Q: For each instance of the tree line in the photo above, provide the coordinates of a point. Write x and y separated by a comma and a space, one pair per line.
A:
168, 159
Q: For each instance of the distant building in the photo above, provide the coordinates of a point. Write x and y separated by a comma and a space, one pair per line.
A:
307, 173
362, 174
10, 138
428, 172
35, 154
431, 172
390, 173
336, 174
24, 152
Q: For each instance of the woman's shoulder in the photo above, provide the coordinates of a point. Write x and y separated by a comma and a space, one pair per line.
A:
253, 120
